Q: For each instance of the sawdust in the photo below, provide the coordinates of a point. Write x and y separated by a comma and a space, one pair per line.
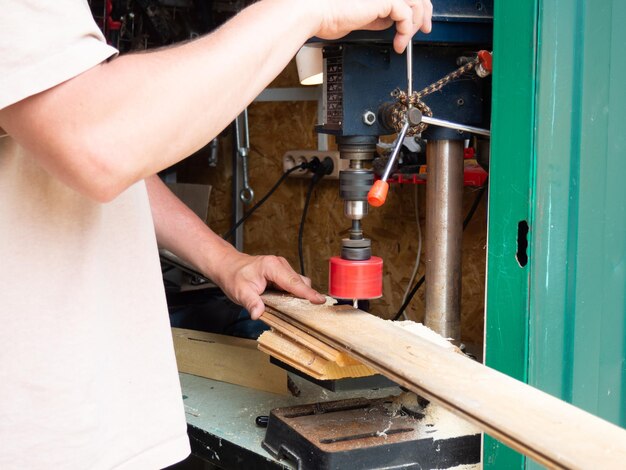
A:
407, 400
294, 303
424, 332
383, 433
443, 424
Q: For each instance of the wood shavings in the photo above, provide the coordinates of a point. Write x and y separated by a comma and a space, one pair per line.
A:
424, 332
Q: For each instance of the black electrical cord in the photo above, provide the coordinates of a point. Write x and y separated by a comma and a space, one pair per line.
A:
307, 201
475, 204
320, 170
422, 279
284, 176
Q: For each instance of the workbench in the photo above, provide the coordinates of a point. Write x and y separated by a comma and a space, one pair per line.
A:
221, 419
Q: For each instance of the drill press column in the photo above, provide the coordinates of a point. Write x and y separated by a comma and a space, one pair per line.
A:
444, 231
356, 274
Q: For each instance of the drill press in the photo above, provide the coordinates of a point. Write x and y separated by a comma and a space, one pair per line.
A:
360, 73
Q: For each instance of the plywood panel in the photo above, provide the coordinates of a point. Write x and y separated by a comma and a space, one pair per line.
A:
228, 359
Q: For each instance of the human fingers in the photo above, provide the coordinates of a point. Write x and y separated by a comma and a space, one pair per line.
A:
421, 19
246, 290
256, 308
306, 280
287, 266
427, 22
279, 272
401, 13
379, 24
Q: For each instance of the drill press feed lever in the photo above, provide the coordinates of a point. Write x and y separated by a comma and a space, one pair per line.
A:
415, 118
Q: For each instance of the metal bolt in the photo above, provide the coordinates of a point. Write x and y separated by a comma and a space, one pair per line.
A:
460, 102
369, 118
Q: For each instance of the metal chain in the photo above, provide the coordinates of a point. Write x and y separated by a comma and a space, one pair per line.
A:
398, 113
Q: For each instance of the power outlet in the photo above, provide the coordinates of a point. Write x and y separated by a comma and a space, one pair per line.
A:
296, 157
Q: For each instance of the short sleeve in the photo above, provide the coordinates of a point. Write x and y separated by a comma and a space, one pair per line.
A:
44, 43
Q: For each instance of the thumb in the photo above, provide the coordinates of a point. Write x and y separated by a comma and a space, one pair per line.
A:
255, 307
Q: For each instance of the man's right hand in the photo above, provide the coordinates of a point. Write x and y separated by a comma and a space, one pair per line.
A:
339, 17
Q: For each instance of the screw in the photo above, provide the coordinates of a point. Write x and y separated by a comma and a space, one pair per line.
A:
369, 118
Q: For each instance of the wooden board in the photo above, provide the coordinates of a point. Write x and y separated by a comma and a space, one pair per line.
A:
306, 353
549, 430
229, 359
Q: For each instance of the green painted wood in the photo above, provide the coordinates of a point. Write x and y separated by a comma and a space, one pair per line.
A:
577, 332
510, 188
560, 325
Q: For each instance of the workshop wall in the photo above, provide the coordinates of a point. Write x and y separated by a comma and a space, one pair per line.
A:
278, 127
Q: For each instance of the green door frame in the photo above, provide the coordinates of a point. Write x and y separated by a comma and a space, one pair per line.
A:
510, 192
557, 162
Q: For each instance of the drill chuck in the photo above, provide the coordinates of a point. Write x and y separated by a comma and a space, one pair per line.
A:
354, 185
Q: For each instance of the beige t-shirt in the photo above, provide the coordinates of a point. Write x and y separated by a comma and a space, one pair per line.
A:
88, 376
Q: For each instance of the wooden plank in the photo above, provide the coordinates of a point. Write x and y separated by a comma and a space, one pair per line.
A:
308, 341
229, 359
302, 358
549, 430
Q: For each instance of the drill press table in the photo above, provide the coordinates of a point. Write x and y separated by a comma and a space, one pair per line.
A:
221, 419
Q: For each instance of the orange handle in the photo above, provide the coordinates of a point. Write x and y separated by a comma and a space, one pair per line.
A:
378, 193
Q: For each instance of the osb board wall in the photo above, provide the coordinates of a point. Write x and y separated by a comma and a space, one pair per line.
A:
278, 127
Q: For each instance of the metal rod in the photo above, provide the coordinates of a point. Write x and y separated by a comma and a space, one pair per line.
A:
236, 186
409, 68
444, 231
453, 125
396, 150
246, 130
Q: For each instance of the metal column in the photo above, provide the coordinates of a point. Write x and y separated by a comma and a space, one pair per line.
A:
444, 230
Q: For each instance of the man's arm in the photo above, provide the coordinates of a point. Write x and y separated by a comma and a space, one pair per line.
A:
242, 277
126, 119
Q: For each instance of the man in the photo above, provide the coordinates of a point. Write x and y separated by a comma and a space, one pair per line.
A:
87, 372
